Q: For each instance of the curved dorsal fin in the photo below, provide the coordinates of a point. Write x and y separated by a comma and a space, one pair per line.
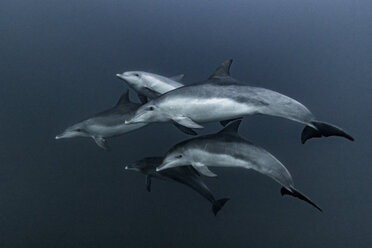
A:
124, 98
232, 128
223, 70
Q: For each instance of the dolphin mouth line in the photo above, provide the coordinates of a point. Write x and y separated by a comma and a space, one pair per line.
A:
132, 120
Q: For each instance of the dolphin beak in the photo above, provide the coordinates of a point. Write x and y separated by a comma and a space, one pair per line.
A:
164, 166
135, 119
60, 136
131, 168
119, 75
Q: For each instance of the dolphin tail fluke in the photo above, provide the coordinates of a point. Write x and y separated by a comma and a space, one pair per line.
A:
299, 195
217, 205
323, 130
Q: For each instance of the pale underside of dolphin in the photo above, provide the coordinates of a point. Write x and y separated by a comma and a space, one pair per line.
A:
221, 98
185, 175
106, 124
227, 149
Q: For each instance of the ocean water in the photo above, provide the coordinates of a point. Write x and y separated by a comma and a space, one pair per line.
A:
58, 65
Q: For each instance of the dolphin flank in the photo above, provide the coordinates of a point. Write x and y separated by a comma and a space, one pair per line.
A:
228, 149
106, 124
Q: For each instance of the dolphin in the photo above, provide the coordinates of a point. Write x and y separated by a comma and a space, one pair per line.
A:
185, 175
227, 149
222, 98
106, 124
150, 85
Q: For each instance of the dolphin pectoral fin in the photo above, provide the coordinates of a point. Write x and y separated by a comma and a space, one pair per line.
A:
225, 122
152, 93
142, 98
187, 122
148, 183
184, 129
299, 195
203, 170
177, 78
101, 142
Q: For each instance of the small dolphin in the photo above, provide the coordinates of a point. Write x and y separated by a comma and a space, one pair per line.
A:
228, 149
150, 85
185, 175
221, 98
106, 124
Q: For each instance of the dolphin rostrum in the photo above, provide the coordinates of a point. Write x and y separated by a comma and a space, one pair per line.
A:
185, 175
228, 149
222, 98
150, 85
106, 124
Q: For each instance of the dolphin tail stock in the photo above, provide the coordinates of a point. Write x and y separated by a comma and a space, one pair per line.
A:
323, 129
217, 205
295, 193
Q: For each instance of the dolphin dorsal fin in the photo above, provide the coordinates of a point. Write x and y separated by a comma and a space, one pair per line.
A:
223, 70
232, 128
124, 98
177, 78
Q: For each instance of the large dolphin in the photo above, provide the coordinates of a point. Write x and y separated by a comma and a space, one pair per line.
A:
228, 149
150, 85
221, 98
185, 175
106, 124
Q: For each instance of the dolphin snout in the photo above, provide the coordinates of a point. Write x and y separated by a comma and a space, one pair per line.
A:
60, 136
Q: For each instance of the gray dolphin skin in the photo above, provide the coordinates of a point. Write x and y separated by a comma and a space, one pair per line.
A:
106, 124
228, 149
150, 85
222, 98
185, 175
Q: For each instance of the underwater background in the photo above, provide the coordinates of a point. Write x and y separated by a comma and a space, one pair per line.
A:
58, 65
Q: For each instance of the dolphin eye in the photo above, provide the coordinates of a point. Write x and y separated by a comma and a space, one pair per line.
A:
78, 130
151, 108
136, 74
179, 156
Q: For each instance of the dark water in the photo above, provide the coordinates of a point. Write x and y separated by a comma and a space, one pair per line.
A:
58, 61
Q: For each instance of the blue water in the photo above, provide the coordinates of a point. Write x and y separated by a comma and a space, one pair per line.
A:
58, 65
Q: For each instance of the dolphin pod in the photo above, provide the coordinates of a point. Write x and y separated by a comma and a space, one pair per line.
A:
185, 175
220, 98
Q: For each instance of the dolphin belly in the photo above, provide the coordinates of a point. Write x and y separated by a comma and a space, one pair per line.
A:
211, 109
